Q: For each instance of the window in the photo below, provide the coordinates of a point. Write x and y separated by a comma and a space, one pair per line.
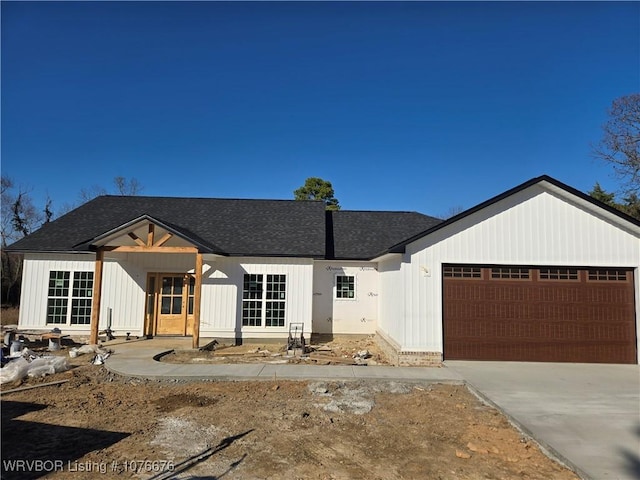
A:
81, 298
345, 286
607, 274
259, 302
171, 296
276, 295
58, 301
558, 274
462, 272
61, 291
510, 273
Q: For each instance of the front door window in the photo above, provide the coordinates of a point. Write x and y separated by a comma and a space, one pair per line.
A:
171, 295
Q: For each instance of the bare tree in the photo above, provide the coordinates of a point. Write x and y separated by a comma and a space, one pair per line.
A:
89, 193
19, 218
620, 144
452, 212
48, 213
129, 187
123, 186
19, 215
6, 202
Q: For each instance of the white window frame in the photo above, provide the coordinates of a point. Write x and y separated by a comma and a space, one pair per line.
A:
264, 300
335, 288
67, 300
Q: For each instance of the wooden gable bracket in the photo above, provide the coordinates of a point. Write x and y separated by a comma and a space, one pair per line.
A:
137, 239
150, 235
151, 245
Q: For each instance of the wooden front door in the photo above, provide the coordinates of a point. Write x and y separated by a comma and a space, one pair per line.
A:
170, 303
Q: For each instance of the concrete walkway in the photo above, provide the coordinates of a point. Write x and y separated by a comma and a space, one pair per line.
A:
587, 415
136, 359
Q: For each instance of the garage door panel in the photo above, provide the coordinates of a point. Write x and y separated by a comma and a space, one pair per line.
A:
538, 351
540, 319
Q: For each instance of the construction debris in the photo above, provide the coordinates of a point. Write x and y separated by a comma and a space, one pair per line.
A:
209, 347
346, 350
23, 366
87, 349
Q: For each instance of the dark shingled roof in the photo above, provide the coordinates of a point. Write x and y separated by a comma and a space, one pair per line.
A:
224, 226
236, 226
366, 234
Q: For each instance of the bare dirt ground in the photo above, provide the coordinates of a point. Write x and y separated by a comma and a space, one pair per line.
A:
99, 425
340, 350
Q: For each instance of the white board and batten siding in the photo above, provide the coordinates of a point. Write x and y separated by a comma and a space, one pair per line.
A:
222, 284
532, 227
35, 286
124, 285
391, 304
123, 289
332, 315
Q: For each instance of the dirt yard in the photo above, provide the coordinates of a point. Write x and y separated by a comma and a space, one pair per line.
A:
340, 350
99, 425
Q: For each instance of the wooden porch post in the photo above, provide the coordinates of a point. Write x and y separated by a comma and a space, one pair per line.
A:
97, 290
197, 295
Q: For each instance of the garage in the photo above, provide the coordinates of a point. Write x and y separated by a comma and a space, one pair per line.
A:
539, 314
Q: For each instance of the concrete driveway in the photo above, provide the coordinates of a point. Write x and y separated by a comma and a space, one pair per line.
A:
587, 415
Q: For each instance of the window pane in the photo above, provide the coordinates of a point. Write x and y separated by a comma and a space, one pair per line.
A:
177, 306
81, 312
558, 274
276, 287
165, 307
275, 314
252, 286
57, 310
166, 285
607, 274
252, 313
59, 284
510, 273
462, 272
83, 284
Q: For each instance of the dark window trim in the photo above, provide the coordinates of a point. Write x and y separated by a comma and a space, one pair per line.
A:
462, 272
569, 272
511, 272
609, 274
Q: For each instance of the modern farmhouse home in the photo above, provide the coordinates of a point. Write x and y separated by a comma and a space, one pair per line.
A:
541, 272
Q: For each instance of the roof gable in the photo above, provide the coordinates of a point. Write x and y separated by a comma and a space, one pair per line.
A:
546, 182
142, 231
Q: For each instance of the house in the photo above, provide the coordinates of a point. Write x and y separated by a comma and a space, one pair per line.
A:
541, 272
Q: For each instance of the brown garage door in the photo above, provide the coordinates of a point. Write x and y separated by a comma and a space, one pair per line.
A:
539, 314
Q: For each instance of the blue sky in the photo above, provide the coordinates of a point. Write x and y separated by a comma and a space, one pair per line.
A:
401, 105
